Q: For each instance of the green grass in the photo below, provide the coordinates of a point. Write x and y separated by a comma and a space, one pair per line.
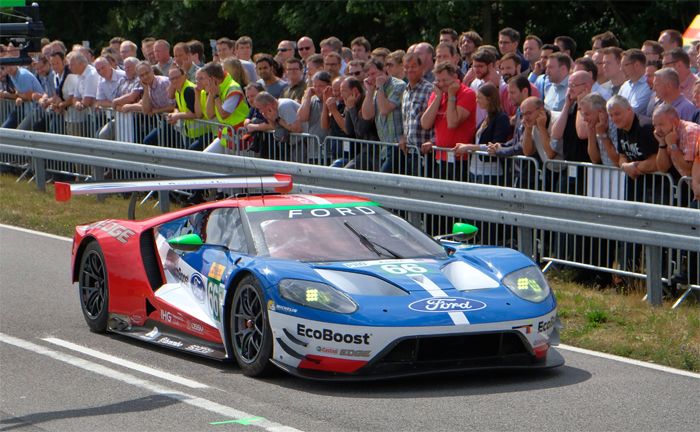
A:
608, 320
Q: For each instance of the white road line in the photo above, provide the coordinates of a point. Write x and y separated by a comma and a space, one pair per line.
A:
127, 364
39, 233
630, 361
222, 410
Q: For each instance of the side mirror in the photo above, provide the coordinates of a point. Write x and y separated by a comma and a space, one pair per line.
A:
461, 232
187, 242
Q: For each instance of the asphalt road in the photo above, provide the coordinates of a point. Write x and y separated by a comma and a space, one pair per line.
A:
49, 381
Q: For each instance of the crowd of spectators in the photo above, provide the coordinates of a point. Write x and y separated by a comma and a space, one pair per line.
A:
635, 108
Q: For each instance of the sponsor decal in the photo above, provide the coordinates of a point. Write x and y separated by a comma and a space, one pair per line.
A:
447, 304
114, 229
358, 264
194, 326
270, 305
543, 326
169, 316
333, 336
197, 285
216, 271
330, 211
527, 328
199, 349
327, 350
180, 275
354, 353
169, 342
136, 319
283, 308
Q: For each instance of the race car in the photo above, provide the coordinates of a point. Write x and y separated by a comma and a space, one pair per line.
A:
321, 286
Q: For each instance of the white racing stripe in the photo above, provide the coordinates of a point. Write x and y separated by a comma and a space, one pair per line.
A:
205, 404
316, 199
126, 363
629, 361
435, 291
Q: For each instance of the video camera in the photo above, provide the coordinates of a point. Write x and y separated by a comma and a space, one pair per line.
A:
26, 35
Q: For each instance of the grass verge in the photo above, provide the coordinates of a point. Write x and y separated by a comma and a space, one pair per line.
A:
598, 319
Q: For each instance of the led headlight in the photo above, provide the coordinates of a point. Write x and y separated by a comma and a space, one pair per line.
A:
316, 295
528, 283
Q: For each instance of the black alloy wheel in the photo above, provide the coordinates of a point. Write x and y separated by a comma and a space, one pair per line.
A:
93, 289
249, 328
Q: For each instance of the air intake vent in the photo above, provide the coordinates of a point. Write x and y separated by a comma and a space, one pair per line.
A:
151, 264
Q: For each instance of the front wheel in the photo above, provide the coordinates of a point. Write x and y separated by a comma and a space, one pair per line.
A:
249, 328
93, 289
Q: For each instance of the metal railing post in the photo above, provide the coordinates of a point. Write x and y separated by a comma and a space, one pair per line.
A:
40, 173
653, 271
526, 244
164, 201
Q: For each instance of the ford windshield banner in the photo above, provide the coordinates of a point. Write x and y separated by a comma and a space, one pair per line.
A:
447, 304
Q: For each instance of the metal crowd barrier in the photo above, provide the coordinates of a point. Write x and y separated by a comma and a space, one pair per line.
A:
624, 258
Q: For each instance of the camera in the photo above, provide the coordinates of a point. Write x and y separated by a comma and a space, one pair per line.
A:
25, 35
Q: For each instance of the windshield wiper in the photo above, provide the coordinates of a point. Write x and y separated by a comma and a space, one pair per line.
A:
369, 244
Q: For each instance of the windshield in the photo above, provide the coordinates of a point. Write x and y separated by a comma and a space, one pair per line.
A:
347, 232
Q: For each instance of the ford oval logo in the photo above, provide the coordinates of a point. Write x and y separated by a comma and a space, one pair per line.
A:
447, 304
197, 284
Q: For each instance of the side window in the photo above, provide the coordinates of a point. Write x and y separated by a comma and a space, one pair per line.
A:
191, 224
224, 227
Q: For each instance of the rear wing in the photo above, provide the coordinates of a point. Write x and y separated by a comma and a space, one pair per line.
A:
278, 182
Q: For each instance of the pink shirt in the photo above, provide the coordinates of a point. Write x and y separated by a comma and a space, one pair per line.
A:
464, 132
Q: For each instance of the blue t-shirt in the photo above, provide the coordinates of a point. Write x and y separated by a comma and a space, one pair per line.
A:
25, 81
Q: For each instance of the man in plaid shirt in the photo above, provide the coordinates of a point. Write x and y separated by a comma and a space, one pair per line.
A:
413, 105
678, 140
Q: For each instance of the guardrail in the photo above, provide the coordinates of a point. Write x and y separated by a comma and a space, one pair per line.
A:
654, 226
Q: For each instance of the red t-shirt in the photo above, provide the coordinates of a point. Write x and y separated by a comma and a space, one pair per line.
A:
464, 132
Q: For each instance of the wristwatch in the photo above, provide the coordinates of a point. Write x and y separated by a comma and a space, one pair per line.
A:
601, 136
663, 146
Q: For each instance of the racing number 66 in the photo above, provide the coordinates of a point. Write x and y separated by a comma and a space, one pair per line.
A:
213, 298
399, 269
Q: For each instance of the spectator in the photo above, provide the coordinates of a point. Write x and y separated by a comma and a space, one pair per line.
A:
60, 72
282, 115
451, 111
695, 181
225, 48
225, 102
107, 90
670, 39
651, 67
413, 105
187, 98
148, 50
314, 63
380, 53
334, 121
679, 60
255, 123
558, 67
197, 52
394, 64
332, 64
243, 49
161, 49
448, 52
356, 68
612, 66
678, 140
536, 138
352, 91
538, 76
360, 48
295, 78
127, 49
129, 90
312, 110
635, 89
24, 85
566, 44
495, 128
601, 142
306, 47
346, 55
667, 88
333, 44
427, 54
652, 50
483, 70
234, 68
468, 44
183, 59
264, 65
155, 99
588, 65
532, 48
509, 70
382, 104
285, 50
508, 40
449, 36
604, 40
517, 90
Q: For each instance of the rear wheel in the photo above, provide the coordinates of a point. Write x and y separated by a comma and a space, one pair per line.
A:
93, 289
249, 328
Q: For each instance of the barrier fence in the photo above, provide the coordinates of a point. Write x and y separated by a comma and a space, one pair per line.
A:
624, 258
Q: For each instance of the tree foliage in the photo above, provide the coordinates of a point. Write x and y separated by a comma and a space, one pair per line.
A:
394, 24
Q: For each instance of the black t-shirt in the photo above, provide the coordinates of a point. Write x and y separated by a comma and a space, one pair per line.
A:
638, 143
575, 148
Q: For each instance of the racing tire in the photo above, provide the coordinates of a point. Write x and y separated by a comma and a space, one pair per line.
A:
93, 289
249, 328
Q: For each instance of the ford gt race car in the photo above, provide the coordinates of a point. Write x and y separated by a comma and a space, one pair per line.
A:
321, 286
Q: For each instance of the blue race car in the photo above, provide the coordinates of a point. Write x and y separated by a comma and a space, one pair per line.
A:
321, 286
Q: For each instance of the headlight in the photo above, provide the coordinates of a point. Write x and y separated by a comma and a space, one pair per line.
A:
316, 295
528, 283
